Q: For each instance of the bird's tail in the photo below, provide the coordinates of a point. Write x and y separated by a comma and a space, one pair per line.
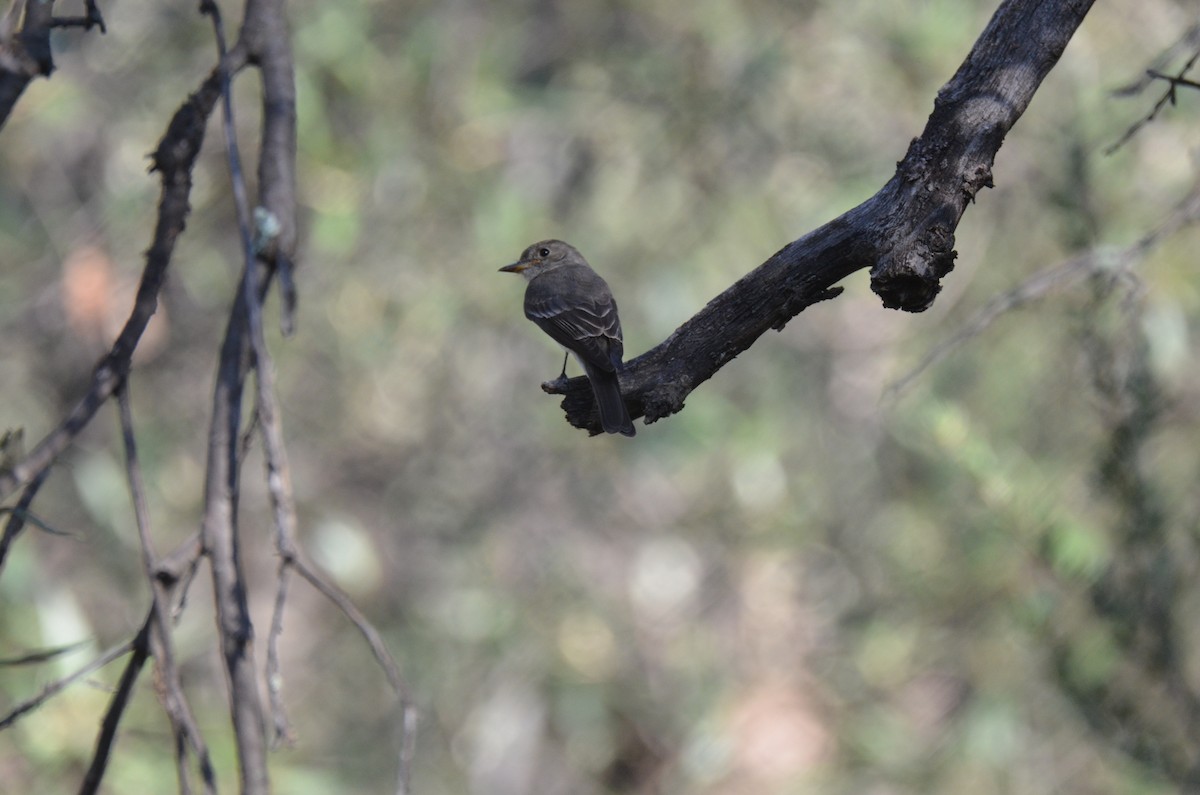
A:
614, 417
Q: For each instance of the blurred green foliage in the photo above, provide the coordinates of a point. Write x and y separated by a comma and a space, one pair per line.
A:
799, 584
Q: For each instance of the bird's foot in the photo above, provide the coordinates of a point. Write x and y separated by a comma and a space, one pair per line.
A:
556, 387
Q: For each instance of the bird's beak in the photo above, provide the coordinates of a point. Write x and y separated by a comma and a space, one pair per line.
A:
516, 267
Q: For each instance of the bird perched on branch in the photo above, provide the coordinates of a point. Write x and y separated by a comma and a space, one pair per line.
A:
570, 302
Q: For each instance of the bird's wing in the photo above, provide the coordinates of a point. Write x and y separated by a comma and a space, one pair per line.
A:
587, 326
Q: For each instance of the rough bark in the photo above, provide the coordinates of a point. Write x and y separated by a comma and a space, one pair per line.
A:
904, 233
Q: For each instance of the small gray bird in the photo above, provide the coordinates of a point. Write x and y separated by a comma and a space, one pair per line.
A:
570, 302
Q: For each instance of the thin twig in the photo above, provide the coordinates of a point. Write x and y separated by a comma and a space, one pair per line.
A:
407, 707
33, 519
20, 513
177, 569
1173, 82
1168, 98
1019, 296
283, 730
246, 443
179, 712
54, 688
275, 452
344, 603
116, 708
1184, 214
42, 655
92, 19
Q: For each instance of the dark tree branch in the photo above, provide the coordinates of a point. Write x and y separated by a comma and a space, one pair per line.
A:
41, 655
264, 38
20, 513
220, 535
272, 243
92, 19
25, 52
227, 573
266, 35
116, 708
267, 250
904, 233
173, 160
176, 570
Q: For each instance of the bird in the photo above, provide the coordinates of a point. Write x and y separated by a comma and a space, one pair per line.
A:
574, 305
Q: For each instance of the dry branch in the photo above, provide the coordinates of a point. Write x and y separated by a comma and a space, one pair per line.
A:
173, 160
222, 476
25, 45
904, 233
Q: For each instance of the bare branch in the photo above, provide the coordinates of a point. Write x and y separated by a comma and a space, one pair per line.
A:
54, 688
179, 712
1185, 214
176, 571
267, 249
282, 728
1190, 41
220, 536
173, 160
116, 708
407, 708
92, 19
42, 655
20, 514
904, 233
277, 180
279, 481
25, 54
261, 33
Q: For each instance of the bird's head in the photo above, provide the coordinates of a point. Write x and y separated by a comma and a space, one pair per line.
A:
541, 257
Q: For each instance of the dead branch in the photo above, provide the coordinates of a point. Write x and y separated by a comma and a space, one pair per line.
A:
904, 233
25, 49
57, 686
173, 160
1190, 41
175, 703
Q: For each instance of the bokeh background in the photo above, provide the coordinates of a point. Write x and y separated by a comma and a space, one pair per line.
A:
804, 582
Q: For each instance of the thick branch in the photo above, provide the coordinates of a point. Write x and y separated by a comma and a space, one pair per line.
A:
266, 35
944, 168
904, 233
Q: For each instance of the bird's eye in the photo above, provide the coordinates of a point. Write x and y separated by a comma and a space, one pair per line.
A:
543, 252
